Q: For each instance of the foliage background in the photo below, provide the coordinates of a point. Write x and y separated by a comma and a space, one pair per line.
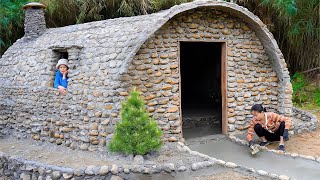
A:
294, 23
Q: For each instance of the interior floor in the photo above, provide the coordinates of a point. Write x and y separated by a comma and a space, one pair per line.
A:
200, 64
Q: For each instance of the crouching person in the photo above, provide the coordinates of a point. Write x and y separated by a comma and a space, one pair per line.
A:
268, 126
61, 78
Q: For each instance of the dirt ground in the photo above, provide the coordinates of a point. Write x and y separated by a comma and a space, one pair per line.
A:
63, 156
227, 175
306, 143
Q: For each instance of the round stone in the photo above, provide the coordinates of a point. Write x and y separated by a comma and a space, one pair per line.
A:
67, 175
104, 170
126, 170
24, 176
56, 174
138, 159
114, 169
231, 165
182, 168
283, 177
90, 170
115, 178
221, 162
261, 172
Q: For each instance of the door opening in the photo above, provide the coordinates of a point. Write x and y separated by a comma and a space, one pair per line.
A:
201, 89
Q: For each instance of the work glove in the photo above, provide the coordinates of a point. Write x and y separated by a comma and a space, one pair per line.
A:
251, 143
286, 135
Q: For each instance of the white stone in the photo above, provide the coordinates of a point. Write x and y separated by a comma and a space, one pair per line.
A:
231, 165
67, 176
221, 162
195, 166
114, 169
90, 170
56, 174
170, 166
138, 159
283, 177
104, 170
273, 176
308, 157
261, 172
126, 170
294, 155
182, 168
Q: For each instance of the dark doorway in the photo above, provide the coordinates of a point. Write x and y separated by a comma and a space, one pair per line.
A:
201, 98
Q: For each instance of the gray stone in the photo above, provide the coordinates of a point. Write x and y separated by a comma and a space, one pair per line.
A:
104, 170
273, 176
90, 170
182, 168
24, 176
115, 178
114, 169
41, 170
196, 166
138, 159
231, 165
221, 162
168, 167
261, 172
79, 171
56, 174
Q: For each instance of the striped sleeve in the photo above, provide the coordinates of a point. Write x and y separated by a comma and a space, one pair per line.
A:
287, 121
251, 130
280, 118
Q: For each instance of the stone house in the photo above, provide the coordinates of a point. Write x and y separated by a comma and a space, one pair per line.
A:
166, 55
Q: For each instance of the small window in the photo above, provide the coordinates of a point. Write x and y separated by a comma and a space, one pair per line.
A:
58, 54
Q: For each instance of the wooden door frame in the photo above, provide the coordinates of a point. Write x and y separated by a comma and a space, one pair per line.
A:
224, 118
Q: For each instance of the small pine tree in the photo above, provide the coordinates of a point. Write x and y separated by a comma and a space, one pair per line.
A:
137, 132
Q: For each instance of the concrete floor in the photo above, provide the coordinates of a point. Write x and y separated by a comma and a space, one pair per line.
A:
193, 175
223, 148
201, 111
201, 131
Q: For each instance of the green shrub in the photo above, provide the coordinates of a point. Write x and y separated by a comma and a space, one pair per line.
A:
136, 133
317, 96
299, 83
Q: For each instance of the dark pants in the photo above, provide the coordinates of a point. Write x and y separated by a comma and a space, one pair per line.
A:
260, 131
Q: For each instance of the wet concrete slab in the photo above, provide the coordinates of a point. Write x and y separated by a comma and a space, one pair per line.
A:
223, 148
201, 174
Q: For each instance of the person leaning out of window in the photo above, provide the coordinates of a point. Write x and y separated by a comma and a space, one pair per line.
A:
61, 78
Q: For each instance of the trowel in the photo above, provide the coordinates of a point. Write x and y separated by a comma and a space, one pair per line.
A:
255, 149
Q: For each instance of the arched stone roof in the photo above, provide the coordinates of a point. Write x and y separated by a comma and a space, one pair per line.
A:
125, 35
252, 20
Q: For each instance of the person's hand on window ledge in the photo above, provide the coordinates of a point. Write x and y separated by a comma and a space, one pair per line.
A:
62, 90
